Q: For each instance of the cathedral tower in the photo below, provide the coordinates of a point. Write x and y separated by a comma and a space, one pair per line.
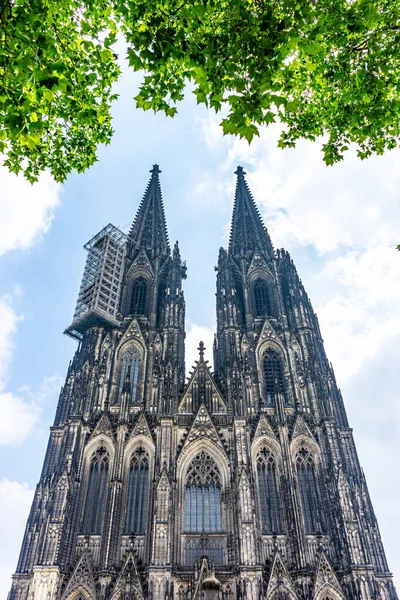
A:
238, 484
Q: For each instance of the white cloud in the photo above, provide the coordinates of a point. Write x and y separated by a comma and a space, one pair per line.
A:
17, 418
9, 320
15, 502
305, 202
45, 391
26, 210
194, 335
357, 302
24, 407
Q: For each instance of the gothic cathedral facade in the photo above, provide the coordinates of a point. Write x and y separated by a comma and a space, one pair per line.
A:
242, 483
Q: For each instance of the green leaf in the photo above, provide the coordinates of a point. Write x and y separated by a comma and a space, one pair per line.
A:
326, 68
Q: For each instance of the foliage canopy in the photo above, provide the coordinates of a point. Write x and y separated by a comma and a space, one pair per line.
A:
320, 67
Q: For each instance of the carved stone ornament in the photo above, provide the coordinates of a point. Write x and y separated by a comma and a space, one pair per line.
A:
203, 428
264, 428
280, 581
326, 578
301, 428
133, 332
141, 427
128, 584
81, 578
103, 426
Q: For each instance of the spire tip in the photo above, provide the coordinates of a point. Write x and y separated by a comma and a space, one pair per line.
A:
155, 170
240, 172
201, 349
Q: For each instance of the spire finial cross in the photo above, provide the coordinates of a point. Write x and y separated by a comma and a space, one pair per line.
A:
201, 349
155, 170
240, 172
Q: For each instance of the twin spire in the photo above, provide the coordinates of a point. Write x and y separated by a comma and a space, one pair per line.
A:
247, 229
149, 230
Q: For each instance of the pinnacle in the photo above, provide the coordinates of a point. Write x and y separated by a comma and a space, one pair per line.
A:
201, 349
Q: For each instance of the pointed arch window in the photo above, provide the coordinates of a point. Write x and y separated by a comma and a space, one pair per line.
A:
131, 363
138, 492
203, 510
309, 495
96, 493
139, 296
273, 376
268, 492
261, 298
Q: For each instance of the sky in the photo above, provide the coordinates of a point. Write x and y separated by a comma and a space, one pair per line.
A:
341, 225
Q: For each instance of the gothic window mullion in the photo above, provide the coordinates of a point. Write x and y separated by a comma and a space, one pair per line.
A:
261, 298
136, 510
313, 499
96, 494
309, 495
131, 362
142, 499
134, 376
274, 500
273, 376
103, 479
218, 508
145, 496
138, 296
138, 499
268, 493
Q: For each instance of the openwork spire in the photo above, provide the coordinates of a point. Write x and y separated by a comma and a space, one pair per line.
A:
247, 230
149, 229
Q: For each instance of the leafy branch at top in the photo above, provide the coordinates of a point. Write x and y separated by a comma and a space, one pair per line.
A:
328, 68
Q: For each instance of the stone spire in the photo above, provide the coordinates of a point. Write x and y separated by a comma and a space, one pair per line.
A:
247, 230
149, 230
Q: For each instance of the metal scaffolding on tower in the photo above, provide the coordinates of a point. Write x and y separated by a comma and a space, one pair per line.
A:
100, 290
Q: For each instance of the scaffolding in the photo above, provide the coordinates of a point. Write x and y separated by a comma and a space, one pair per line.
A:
100, 291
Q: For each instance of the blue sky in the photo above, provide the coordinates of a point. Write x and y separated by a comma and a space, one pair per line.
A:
340, 224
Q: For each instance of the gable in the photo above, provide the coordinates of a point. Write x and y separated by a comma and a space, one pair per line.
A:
258, 263
279, 579
132, 334
301, 428
140, 264
81, 579
326, 578
103, 426
202, 389
203, 429
141, 427
128, 583
264, 429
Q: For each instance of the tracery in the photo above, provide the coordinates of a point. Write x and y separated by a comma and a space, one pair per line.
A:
203, 495
203, 510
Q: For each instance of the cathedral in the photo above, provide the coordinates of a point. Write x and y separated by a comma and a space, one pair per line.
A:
241, 483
